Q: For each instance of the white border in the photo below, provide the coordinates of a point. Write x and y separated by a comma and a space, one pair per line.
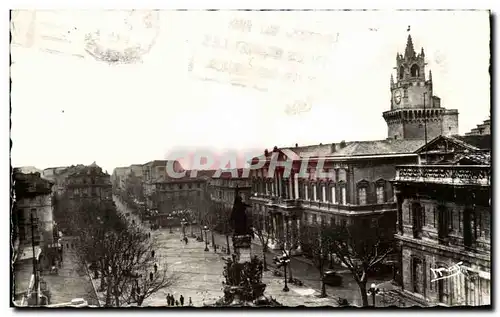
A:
187, 4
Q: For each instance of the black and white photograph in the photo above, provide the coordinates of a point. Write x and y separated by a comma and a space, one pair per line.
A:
187, 159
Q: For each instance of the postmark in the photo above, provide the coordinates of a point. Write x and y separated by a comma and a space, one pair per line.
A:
264, 56
125, 37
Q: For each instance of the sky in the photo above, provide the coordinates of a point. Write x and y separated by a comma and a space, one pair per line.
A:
69, 107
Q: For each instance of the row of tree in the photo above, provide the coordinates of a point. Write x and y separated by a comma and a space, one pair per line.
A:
119, 254
361, 246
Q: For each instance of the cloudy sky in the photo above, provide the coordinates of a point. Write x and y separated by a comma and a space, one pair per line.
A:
69, 106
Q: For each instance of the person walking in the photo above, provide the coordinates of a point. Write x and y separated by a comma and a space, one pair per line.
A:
153, 253
190, 302
176, 302
168, 299
171, 300
181, 299
156, 268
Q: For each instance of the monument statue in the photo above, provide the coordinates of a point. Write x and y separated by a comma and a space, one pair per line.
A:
239, 219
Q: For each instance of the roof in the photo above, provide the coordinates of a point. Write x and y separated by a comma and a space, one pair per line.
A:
482, 142
156, 163
357, 148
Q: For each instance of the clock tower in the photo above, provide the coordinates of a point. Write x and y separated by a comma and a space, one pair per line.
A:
415, 112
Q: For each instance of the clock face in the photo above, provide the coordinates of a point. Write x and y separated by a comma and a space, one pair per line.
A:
397, 96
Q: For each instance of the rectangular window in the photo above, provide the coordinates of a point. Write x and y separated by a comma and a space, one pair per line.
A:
417, 220
380, 195
417, 275
362, 196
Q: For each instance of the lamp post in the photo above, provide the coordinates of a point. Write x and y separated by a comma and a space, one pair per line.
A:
205, 228
183, 223
283, 261
373, 291
170, 222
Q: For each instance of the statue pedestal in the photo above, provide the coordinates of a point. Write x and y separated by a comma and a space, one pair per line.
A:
242, 247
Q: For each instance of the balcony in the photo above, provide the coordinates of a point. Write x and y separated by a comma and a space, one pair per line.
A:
284, 204
472, 175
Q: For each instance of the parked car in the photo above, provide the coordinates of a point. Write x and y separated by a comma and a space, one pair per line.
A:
332, 278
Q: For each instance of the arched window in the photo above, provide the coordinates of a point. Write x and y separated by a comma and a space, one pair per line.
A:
401, 72
415, 71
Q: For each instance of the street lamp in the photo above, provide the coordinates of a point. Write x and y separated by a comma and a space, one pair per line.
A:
205, 228
184, 223
373, 291
170, 222
283, 261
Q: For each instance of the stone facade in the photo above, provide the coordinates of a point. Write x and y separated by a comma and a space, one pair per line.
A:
444, 218
34, 197
481, 129
350, 188
222, 187
415, 112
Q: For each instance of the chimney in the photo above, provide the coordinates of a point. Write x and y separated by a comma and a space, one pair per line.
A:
296, 145
333, 147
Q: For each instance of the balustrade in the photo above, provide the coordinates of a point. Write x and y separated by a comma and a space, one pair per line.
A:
447, 174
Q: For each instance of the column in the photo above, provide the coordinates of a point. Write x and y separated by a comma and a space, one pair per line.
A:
299, 247
285, 188
290, 184
285, 231
296, 185
323, 191
306, 191
276, 188
292, 236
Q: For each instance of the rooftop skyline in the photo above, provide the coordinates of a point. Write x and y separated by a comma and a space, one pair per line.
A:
69, 110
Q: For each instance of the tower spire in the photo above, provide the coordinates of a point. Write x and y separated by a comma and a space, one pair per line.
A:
430, 75
392, 81
409, 51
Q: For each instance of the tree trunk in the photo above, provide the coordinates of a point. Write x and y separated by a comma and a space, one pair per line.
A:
264, 259
108, 293
140, 300
321, 276
364, 295
227, 244
213, 242
201, 233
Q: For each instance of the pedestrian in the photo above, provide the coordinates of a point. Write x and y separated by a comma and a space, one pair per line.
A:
176, 302
190, 302
153, 253
171, 300
156, 268
181, 299
168, 299
151, 276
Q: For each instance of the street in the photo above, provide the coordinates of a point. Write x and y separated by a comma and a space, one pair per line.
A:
200, 273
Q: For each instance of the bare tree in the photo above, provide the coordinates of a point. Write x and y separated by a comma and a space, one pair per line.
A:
287, 244
361, 247
122, 254
223, 223
210, 220
262, 230
317, 238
